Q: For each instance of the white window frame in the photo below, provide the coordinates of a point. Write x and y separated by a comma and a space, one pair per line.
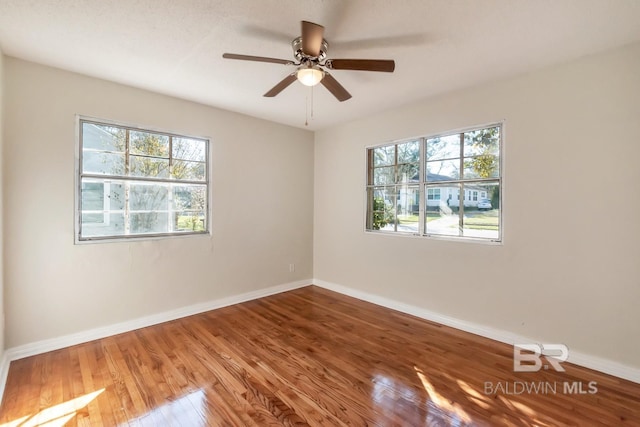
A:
107, 179
466, 194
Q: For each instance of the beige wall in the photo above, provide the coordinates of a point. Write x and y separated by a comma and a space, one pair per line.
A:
262, 175
569, 269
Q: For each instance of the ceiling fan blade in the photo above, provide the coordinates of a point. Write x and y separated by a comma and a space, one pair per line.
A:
335, 88
312, 36
386, 65
257, 58
281, 86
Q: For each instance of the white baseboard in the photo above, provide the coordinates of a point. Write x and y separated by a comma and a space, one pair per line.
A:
44, 346
585, 360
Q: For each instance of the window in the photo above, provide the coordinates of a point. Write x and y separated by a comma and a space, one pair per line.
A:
394, 190
140, 183
445, 185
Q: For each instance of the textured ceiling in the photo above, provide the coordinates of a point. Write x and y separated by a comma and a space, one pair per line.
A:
175, 47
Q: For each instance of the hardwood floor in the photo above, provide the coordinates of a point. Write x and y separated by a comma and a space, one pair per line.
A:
305, 357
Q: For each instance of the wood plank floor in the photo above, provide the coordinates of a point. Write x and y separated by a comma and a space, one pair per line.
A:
305, 357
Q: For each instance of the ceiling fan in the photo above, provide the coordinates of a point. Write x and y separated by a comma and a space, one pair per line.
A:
310, 52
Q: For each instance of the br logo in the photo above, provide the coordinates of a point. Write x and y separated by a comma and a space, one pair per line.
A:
534, 354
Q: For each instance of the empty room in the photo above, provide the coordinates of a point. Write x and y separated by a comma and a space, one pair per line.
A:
319, 212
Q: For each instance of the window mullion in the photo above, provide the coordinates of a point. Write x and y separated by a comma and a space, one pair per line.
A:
421, 189
172, 223
127, 186
395, 189
462, 191
106, 203
370, 190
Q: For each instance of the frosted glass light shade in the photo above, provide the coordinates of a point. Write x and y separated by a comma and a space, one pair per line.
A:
309, 76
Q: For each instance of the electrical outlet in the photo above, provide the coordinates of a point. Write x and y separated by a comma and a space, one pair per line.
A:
292, 268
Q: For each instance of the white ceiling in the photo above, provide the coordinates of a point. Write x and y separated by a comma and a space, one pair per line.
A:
175, 47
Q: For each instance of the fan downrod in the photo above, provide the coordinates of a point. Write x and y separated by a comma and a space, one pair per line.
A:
298, 53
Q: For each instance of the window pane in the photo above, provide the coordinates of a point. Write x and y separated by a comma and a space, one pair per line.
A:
92, 196
383, 208
103, 137
409, 152
148, 197
483, 166
148, 144
148, 167
482, 216
192, 171
190, 198
482, 141
441, 223
149, 222
189, 221
445, 147
89, 218
409, 172
442, 209
115, 195
189, 149
102, 163
444, 170
110, 224
441, 197
101, 195
385, 175
384, 155
407, 208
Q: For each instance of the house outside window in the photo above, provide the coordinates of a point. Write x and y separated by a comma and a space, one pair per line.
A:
442, 167
136, 183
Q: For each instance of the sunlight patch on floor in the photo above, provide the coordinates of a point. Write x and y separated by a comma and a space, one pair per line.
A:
475, 396
448, 407
15, 423
57, 415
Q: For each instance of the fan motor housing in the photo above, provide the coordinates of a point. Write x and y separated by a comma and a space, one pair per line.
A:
296, 44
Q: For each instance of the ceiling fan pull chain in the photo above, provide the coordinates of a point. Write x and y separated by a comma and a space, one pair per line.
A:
306, 111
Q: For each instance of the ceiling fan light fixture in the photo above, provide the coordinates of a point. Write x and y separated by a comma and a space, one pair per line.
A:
310, 76
310, 53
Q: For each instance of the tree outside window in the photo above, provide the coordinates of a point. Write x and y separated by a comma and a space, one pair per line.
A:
137, 183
